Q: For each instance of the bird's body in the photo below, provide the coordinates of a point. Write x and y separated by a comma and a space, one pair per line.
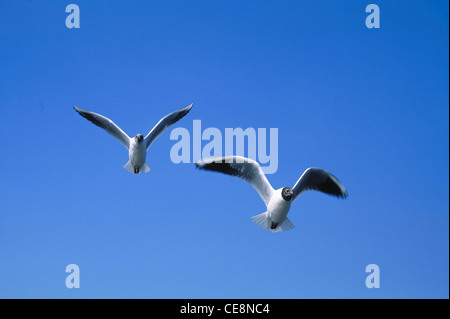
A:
137, 146
137, 154
275, 218
278, 208
278, 202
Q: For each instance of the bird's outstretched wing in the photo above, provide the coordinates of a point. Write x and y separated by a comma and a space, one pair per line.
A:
165, 122
245, 168
106, 124
320, 180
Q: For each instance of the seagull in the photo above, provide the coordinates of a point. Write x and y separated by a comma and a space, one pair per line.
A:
137, 146
278, 201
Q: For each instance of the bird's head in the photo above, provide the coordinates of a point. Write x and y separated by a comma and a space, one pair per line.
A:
287, 193
139, 137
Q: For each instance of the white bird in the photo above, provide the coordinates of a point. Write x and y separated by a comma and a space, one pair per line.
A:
137, 146
278, 201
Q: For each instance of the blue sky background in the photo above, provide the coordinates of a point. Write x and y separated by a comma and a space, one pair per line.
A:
370, 106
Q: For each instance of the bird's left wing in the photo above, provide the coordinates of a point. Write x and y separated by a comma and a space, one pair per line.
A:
245, 168
165, 122
106, 124
320, 180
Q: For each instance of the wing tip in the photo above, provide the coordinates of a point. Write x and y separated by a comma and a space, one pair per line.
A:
199, 164
203, 163
343, 191
343, 195
186, 109
80, 110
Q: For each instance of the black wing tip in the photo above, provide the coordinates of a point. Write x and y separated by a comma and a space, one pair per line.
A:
199, 165
186, 109
179, 114
80, 111
219, 165
342, 195
203, 164
331, 186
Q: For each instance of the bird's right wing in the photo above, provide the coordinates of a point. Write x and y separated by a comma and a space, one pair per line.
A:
320, 180
245, 168
165, 122
106, 124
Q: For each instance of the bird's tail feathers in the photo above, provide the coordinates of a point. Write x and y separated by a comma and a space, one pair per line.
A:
262, 220
285, 225
144, 168
129, 167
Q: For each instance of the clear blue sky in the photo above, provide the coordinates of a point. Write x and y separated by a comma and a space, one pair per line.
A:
369, 105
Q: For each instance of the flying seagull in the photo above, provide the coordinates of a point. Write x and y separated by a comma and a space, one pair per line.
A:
278, 201
137, 146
